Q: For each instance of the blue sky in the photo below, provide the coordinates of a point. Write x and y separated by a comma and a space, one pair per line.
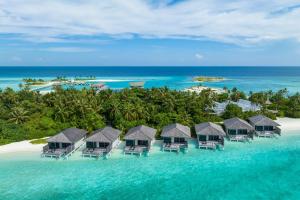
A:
149, 33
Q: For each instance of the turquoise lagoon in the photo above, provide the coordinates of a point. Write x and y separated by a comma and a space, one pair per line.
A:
262, 169
244, 78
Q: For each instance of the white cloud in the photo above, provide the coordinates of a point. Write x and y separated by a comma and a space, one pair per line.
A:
199, 56
239, 22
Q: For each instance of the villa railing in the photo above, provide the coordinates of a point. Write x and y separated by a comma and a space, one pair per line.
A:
58, 151
135, 149
184, 144
211, 143
97, 151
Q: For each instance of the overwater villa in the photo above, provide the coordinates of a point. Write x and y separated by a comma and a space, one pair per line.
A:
210, 135
238, 130
139, 84
175, 137
101, 142
64, 143
139, 139
264, 126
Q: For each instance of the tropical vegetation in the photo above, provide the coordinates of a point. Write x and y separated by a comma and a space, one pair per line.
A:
208, 79
28, 114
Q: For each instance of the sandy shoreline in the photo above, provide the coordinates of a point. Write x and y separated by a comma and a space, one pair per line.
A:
23, 146
287, 124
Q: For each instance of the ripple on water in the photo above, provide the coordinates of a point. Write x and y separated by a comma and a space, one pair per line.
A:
263, 169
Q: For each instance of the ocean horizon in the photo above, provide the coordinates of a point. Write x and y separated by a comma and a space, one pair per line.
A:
179, 78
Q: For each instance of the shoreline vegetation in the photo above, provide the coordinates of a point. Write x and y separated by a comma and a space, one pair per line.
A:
208, 79
31, 82
26, 115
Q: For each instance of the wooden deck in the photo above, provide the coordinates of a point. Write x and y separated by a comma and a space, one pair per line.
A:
239, 138
211, 144
96, 152
174, 146
266, 134
57, 153
207, 145
135, 150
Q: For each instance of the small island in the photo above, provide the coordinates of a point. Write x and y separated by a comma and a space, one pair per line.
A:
208, 79
32, 82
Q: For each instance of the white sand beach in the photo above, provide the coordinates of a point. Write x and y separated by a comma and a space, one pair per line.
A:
287, 124
23, 146
199, 89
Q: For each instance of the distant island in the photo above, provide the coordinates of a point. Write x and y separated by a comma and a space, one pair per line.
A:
32, 82
208, 79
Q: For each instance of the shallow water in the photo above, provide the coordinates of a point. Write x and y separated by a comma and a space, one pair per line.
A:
244, 78
263, 169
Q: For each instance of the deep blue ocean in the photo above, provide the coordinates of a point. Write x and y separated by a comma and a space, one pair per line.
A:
244, 78
147, 71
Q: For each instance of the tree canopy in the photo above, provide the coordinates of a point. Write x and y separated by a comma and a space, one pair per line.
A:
28, 114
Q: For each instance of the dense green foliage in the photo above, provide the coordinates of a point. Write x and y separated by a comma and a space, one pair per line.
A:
32, 81
208, 79
27, 115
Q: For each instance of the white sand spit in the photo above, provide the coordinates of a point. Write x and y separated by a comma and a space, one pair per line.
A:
24, 146
289, 124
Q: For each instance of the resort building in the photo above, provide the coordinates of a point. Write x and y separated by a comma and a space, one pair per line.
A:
137, 84
264, 126
175, 137
219, 108
101, 142
139, 139
210, 135
64, 143
238, 130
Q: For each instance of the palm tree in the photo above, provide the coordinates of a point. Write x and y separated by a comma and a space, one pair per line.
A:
18, 115
114, 109
129, 112
61, 113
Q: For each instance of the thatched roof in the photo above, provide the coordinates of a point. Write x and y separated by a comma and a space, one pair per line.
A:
209, 128
70, 135
176, 130
107, 134
237, 123
140, 133
261, 120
